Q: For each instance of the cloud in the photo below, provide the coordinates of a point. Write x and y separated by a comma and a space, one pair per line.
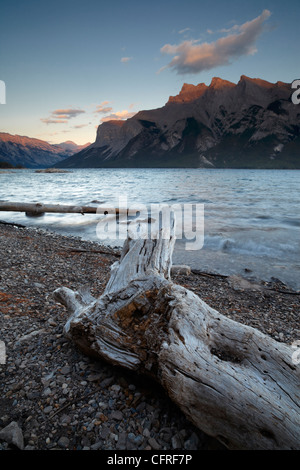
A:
53, 121
114, 115
233, 28
124, 60
62, 116
102, 108
118, 116
192, 57
79, 126
67, 113
185, 30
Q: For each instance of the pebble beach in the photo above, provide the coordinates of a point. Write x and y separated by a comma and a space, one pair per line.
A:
53, 397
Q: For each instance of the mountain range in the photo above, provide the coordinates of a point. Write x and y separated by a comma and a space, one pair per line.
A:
34, 153
251, 124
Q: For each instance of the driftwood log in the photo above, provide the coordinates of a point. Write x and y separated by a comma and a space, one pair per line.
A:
230, 380
37, 208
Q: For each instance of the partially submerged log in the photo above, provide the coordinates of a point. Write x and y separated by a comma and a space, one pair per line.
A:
37, 209
230, 380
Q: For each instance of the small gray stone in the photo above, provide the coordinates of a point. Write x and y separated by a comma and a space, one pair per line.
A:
131, 437
29, 336
47, 391
176, 441
12, 434
121, 444
65, 420
192, 442
107, 382
104, 432
146, 433
63, 442
48, 409
138, 440
38, 285
117, 415
65, 370
96, 446
153, 443
94, 377
181, 269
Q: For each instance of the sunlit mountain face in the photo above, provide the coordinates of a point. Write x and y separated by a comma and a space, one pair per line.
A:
251, 124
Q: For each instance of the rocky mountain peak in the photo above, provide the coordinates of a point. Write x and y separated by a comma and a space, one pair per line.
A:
251, 124
256, 81
188, 93
219, 83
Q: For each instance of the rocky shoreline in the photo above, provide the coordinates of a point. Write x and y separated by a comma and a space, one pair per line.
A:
55, 398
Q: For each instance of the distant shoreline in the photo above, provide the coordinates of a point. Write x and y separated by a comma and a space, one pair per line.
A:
52, 170
8, 166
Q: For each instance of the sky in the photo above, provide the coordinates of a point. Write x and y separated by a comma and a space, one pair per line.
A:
70, 65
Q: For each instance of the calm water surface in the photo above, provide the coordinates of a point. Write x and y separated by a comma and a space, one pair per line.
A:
251, 217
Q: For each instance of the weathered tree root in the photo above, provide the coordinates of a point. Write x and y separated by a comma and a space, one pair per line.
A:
230, 380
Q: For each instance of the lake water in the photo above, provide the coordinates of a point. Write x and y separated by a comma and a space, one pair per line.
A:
251, 217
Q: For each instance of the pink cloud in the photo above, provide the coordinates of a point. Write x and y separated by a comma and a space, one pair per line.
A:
67, 113
192, 57
102, 108
118, 116
124, 60
53, 121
